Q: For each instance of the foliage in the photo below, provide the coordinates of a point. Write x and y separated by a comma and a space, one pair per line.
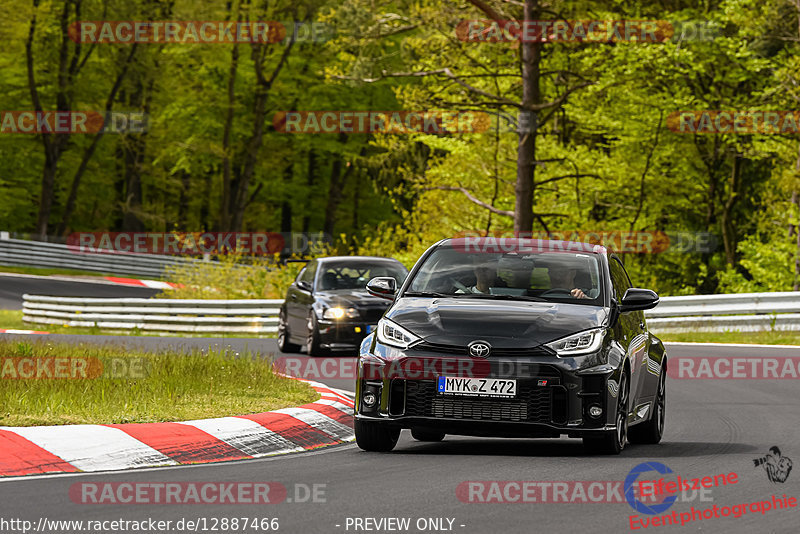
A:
231, 277
606, 159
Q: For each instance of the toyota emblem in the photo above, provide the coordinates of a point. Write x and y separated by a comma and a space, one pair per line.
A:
479, 349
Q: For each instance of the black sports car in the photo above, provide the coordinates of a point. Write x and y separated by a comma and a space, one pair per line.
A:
514, 337
327, 307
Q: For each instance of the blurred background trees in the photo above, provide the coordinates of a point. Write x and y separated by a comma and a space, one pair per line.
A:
600, 156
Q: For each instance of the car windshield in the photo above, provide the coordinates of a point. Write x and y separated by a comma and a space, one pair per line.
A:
356, 275
556, 276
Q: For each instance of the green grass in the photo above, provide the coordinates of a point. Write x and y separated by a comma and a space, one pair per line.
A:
164, 386
755, 338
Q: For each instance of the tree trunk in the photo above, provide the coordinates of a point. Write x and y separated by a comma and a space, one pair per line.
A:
526, 150
89, 152
225, 214
206, 221
286, 204
795, 229
728, 231
310, 179
334, 196
183, 200
134, 149
133, 158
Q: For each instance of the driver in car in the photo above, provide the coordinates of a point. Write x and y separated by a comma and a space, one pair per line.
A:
485, 275
564, 278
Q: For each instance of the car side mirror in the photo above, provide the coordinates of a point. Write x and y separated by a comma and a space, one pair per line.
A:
636, 299
384, 287
305, 286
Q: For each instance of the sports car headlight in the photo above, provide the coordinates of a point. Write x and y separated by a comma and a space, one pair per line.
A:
580, 343
339, 313
394, 335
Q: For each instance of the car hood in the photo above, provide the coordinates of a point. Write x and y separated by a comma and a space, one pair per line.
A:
458, 321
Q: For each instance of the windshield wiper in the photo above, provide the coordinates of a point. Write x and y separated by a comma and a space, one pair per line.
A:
501, 297
425, 294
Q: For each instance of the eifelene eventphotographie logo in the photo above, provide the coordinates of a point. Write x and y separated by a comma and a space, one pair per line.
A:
777, 467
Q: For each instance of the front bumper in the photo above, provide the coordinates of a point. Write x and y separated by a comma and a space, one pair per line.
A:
553, 397
342, 335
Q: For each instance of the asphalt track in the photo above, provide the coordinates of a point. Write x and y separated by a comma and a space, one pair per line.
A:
712, 427
12, 287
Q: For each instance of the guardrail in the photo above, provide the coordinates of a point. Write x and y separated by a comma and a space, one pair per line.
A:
745, 312
23, 253
256, 316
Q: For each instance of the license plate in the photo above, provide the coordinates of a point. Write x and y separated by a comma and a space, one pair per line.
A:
478, 387
371, 328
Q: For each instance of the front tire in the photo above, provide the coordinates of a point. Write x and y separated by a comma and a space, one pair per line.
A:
650, 432
426, 435
614, 440
312, 340
284, 345
375, 437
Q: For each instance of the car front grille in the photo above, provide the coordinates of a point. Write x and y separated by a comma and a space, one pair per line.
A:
497, 352
534, 404
481, 409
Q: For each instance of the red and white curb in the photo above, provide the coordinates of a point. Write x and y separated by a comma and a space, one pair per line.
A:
89, 448
15, 331
153, 284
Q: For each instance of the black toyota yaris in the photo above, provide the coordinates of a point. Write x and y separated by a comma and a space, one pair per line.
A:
512, 338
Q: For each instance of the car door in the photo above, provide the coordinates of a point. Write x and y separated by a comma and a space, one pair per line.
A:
648, 381
631, 333
299, 299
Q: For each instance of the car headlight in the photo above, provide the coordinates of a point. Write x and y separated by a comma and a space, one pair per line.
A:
339, 313
581, 343
394, 335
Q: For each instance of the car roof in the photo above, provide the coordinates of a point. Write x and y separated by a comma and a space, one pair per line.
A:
503, 244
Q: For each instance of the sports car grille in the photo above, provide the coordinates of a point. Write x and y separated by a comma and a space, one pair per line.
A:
533, 404
540, 350
482, 409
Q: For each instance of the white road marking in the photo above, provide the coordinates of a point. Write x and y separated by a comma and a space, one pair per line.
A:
248, 436
320, 422
224, 465
93, 447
